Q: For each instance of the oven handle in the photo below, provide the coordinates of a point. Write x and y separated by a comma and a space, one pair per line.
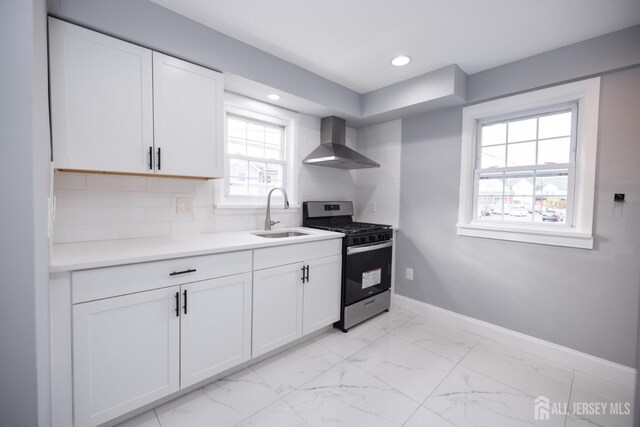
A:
360, 249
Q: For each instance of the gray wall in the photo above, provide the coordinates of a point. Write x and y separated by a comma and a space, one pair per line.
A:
583, 299
24, 135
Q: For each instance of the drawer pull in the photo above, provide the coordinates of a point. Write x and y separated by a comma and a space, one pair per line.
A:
369, 303
176, 273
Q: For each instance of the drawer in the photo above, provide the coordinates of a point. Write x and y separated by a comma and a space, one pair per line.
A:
289, 254
89, 285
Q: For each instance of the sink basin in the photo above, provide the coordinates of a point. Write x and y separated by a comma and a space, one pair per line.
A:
279, 234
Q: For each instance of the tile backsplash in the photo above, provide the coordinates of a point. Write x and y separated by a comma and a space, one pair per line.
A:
106, 207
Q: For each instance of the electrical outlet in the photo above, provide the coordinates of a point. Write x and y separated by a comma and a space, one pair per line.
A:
409, 274
184, 206
373, 207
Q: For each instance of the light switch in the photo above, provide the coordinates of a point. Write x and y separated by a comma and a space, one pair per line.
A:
373, 207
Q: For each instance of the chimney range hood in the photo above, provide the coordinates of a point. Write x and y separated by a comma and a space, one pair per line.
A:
333, 152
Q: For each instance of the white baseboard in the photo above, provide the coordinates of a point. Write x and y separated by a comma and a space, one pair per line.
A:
592, 365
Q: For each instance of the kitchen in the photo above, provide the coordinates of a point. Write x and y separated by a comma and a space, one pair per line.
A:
471, 223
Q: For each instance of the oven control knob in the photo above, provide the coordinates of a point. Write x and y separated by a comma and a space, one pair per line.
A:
362, 240
372, 238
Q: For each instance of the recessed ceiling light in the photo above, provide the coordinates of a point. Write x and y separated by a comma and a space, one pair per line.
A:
273, 96
400, 61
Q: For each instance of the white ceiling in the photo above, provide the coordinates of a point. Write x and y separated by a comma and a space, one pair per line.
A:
352, 41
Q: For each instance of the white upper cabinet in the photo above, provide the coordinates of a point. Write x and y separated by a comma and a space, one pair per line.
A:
188, 118
101, 101
118, 107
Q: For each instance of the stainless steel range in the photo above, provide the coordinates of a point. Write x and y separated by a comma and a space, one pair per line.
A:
366, 260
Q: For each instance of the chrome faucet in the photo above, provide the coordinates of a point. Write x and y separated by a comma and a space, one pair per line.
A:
267, 222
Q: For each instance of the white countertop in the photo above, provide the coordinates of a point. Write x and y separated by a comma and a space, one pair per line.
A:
84, 255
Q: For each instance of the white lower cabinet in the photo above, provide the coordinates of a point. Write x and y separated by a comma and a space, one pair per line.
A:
321, 305
293, 300
125, 354
277, 307
215, 327
144, 331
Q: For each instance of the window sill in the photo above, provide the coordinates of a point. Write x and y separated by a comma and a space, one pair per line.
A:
566, 237
235, 209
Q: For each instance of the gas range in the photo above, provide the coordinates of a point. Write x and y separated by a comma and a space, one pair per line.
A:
367, 257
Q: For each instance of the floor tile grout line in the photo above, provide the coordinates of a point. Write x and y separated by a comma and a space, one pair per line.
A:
548, 361
433, 352
157, 417
566, 416
421, 405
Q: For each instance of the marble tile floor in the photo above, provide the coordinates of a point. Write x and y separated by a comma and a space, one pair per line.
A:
398, 369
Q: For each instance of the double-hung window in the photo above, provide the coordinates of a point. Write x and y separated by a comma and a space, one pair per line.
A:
528, 166
259, 153
255, 156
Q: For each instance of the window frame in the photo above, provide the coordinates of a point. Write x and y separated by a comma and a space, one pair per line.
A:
256, 111
570, 166
578, 228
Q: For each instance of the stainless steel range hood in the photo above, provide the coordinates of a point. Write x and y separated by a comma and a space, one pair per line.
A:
333, 151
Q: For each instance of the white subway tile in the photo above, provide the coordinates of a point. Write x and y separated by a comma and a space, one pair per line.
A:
171, 185
114, 215
165, 214
192, 227
116, 183
65, 216
86, 199
144, 200
144, 229
204, 186
238, 222
203, 213
69, 181
84, 232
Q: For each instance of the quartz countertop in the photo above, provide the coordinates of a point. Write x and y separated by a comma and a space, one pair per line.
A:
85, 255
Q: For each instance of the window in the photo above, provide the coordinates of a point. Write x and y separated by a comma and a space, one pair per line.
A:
525, 167
255, 156
259, 153
528, 166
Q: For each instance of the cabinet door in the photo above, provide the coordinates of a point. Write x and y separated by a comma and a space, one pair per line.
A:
322, 293
277, 307
125, 354
101, 101
188, 118
216, 327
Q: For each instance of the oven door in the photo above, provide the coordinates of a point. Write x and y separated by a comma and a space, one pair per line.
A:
367, 270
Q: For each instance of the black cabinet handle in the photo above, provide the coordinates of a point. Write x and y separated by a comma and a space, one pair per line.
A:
151, 158
303, 275
185, 301
159, 159
176, 273
307, 274
177, 304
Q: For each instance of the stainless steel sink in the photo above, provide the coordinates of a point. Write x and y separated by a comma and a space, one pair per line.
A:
280, 234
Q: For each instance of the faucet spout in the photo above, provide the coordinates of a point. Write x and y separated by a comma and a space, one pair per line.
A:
267, 222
